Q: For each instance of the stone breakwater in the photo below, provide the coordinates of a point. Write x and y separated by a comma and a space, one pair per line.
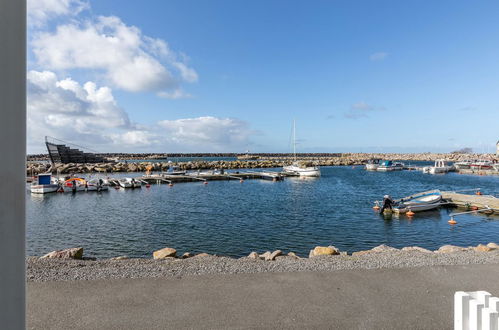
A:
59, 266
34, 168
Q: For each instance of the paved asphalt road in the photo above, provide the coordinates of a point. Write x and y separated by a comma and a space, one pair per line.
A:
409, 298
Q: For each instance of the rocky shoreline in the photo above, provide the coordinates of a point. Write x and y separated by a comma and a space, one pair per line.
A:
277, 160
61, 265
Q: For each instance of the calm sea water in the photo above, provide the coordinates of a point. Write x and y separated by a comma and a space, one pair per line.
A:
232, 218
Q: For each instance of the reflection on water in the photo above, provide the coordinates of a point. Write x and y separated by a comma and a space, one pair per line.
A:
232, 218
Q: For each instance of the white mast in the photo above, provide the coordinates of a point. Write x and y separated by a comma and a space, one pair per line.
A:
294, 139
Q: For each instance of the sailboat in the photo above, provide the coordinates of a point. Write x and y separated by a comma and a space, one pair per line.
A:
295, 168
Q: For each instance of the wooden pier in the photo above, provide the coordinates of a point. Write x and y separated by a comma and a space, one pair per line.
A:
207, 176
472, 201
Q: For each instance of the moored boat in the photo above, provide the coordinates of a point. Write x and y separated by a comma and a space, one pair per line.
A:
481, 165
388, 166
96, 185
440, 166
373, 164
129, 183
43, 184
74, 185
295, 168
424, 201
463, 165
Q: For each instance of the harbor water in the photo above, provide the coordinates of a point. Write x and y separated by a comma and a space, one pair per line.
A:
232, 218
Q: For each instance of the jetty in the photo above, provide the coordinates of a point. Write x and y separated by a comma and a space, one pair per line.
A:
211, 176
476, 200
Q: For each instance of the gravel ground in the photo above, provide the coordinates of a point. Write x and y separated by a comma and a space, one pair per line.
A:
41, 270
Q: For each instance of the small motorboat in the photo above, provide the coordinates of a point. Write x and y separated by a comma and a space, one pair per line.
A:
388, 166
373, 164
424, 201
481, 165
129, 183
463, 165
43, 184
440, 166
97, 185
74, 185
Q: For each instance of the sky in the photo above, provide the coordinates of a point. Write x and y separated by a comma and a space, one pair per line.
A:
233, 75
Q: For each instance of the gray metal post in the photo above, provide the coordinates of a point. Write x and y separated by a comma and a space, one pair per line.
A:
13, 167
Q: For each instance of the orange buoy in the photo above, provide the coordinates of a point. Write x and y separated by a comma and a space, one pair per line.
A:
479, 192
452, 221
409, 213
376, 207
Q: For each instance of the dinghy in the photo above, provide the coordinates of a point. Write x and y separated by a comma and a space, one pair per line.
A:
424, 201
129, 183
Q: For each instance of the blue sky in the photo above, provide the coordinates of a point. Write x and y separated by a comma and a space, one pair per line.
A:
370, 76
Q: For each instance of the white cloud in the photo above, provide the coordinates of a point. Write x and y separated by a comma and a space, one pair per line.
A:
363, 106
67, 110
379, 56
89, 115
128, 59
361, 110
207, 133
40, 11
176, 94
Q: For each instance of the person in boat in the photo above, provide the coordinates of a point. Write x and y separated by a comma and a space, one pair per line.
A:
387, 203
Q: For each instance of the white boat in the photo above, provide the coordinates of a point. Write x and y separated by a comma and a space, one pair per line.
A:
373, 164
97, 185
312, 171
440, 166
74, 185
463, 165
496, 167
388, 166
43, 184
424, 201
295, 168
129, 183
481, 165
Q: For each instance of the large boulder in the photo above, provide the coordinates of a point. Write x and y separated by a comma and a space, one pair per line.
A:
164, 253
74, 253
273, 255
378, 249
416, 248
323, 251
383, 248
254, 255
265, 255
483, 248
293, 255
493, 245
202, 255
450, 249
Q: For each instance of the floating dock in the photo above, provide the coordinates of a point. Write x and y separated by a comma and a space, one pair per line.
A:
470, 201
196, 177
